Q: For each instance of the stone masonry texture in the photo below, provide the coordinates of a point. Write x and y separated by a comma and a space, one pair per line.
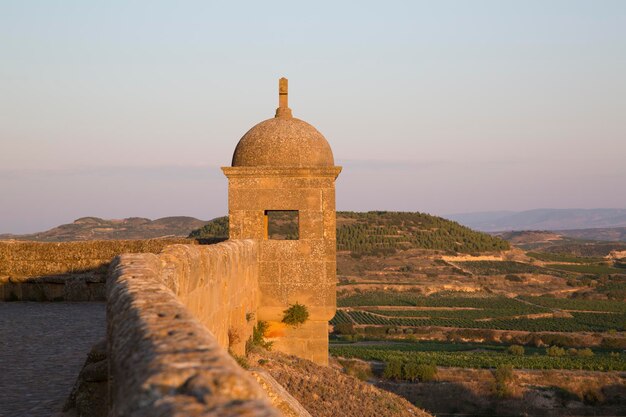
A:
162, 360
290, 271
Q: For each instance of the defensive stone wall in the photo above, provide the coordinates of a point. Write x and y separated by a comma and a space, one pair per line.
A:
218, 284
162, 358
64, 271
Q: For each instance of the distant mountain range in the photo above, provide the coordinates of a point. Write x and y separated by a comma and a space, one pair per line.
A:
94, 228
544, 219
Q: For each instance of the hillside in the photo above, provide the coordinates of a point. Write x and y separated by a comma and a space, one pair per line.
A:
542, 219
328, 392
94, 228
385, 232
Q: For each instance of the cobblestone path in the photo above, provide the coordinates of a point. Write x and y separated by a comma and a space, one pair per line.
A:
42, 349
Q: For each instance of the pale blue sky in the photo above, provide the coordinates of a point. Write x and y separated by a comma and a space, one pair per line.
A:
129, 108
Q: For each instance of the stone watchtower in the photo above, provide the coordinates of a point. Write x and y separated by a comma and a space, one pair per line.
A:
281, 192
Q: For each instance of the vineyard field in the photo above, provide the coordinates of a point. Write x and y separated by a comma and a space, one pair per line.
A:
476, 314
557, 257
580, 322
504, 267
482, 358
579, 304
588, 269
381, 298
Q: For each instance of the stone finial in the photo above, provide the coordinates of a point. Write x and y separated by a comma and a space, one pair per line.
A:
283, 109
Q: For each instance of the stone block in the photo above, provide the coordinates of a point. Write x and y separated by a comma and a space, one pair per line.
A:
330, 225
280, 250
331, 272
311, 224
328, 199
302, 272
269, 272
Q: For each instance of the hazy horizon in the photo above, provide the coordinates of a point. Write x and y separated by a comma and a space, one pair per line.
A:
119, 110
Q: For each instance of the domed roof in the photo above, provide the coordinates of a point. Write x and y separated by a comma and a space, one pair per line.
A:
283, 141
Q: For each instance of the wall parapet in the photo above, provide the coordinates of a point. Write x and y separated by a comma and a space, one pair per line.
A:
65, 271
163, 360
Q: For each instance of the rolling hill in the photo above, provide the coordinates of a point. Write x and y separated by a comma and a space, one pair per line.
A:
385, 232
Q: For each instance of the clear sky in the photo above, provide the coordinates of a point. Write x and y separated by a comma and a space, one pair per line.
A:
128, 108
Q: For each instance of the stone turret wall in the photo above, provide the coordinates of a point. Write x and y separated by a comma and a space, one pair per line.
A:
169, 319
290, 271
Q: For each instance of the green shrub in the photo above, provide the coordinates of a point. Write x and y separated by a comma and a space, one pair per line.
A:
393, 369
516, 350
376, 331
410, 371
585, 353
555, 351
296, 314
426, 372
344, 328
415, 371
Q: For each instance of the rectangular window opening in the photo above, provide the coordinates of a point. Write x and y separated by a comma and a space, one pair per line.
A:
282, 224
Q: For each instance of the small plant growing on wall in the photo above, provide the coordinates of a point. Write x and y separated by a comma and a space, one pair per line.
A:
296, 314
257, 340
233, 337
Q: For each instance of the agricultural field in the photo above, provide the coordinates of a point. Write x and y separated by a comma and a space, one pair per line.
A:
470, 355
500, 268
558, 257
557, 309
427, 306
573, 304
481, 312
588, 269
